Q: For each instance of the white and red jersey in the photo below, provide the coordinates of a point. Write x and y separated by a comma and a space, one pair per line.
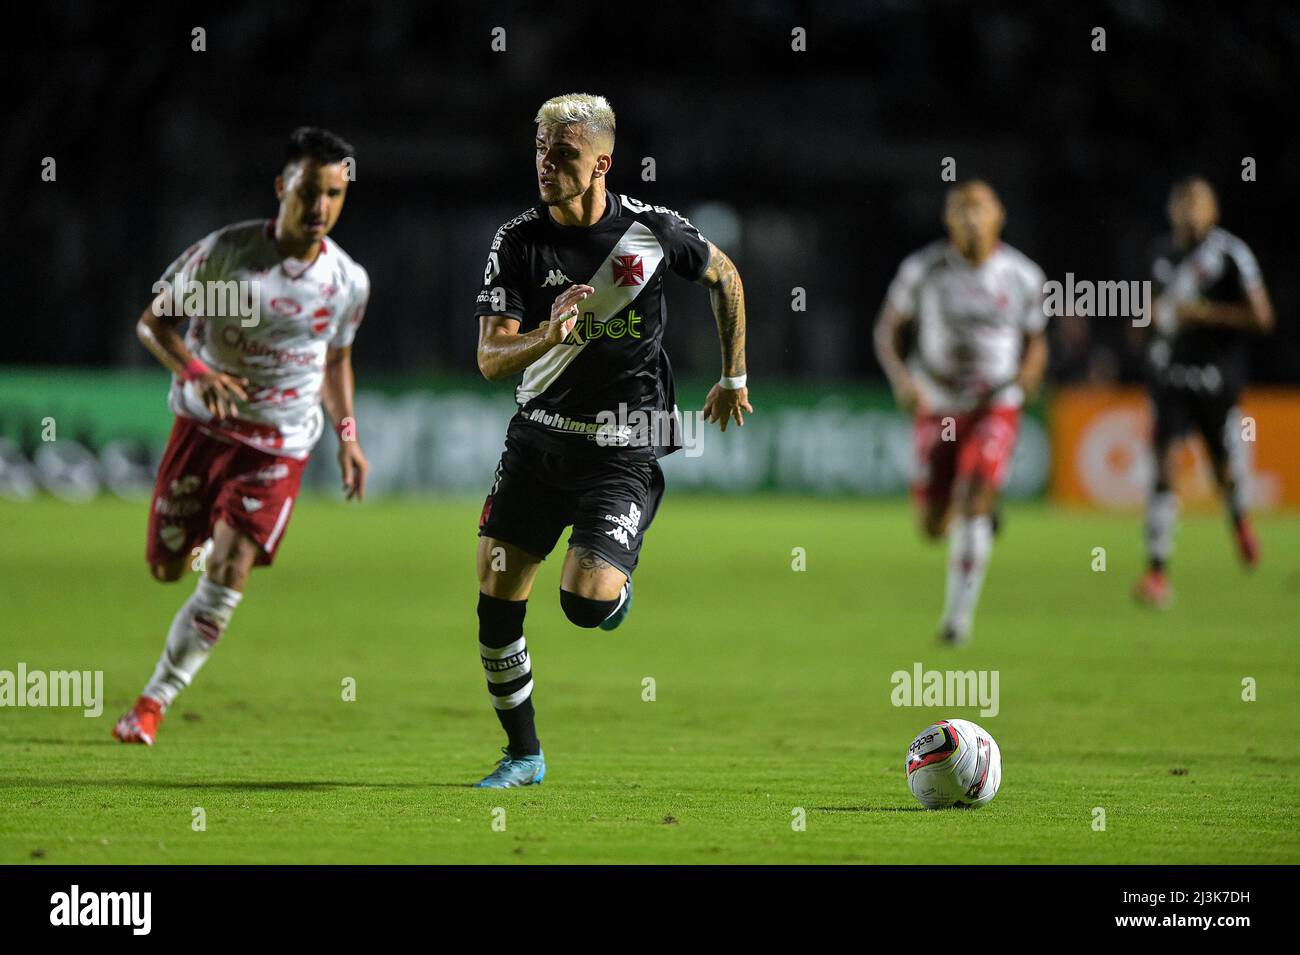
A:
971, 322
302, 309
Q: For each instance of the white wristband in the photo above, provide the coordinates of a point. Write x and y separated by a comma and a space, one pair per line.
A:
732, 384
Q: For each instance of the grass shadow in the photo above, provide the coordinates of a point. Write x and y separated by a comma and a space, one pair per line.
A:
868, 809
289, 785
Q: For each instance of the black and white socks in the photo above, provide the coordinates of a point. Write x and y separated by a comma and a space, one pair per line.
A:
508, 669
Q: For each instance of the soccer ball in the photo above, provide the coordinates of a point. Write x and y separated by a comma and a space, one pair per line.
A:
954, 763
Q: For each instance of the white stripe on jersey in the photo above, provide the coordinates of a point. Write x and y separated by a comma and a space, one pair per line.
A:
606, 302
1204, 266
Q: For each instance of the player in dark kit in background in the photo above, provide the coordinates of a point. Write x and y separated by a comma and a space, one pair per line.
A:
573, 297
1210, 295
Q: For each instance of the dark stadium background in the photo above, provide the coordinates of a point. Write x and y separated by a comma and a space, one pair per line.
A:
828, 160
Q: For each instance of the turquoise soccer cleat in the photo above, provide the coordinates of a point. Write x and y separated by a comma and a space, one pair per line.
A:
618, 616
514, 771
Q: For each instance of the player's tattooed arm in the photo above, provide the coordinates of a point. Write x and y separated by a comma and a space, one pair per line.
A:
337, 391
503, 352
890, 355
159, 332
727, 297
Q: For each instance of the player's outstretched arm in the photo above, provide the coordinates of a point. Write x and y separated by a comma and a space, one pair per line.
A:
337, 391
886, 335
729, 396
158, 332
503, 352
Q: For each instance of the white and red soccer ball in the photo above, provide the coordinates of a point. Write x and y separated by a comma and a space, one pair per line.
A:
954, 763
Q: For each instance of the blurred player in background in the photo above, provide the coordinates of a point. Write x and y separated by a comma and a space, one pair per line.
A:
247, 391
572, 297
1209, 297
980, 349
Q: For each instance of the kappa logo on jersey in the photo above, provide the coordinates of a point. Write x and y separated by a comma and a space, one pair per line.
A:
556, 277
628, 270
624, 526
328, 290
285, 306
252, 504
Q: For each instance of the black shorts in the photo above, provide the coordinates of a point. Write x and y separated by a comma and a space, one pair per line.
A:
1179, 411
609, 501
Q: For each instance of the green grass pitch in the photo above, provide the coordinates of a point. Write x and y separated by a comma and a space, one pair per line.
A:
772, 694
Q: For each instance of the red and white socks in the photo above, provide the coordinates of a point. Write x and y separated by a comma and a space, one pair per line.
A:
970, 542
195, 630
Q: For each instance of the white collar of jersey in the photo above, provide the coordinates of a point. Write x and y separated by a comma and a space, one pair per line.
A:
295, 268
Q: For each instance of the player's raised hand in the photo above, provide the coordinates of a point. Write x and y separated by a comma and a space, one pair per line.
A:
724, 404
219, 392
564, 312
355, 467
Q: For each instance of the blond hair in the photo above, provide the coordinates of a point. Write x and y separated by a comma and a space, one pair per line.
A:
593, 113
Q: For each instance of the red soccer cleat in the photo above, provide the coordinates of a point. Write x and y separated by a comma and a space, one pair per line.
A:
140, 723
1154, 590
1247, 544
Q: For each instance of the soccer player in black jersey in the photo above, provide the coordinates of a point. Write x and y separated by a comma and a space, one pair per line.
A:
1210, 296
573, 298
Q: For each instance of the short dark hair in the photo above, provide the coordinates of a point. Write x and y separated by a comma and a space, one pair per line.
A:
320, 145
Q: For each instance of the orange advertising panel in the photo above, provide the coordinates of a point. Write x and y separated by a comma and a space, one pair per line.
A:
1101, 449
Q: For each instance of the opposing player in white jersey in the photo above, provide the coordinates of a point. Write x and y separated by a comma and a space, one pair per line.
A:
273, 309
980, 349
